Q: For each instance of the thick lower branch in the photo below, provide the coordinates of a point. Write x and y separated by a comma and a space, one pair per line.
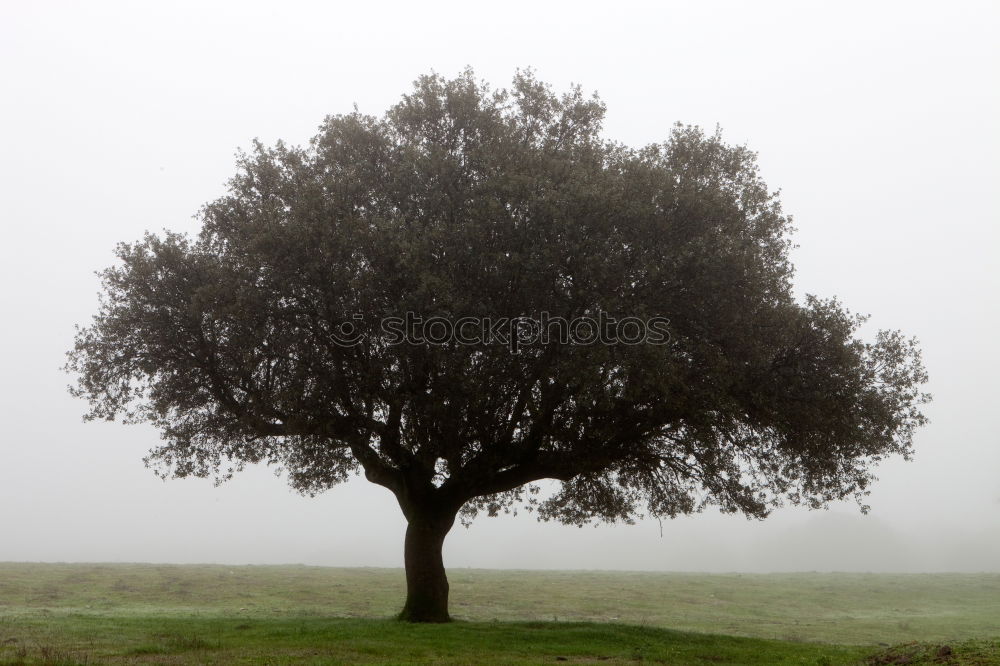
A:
462, 488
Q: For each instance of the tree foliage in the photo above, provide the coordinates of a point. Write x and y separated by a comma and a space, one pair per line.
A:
463, 201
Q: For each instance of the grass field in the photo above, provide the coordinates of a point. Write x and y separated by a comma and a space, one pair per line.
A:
167, 614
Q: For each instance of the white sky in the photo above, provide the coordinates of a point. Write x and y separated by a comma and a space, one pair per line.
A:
879, 122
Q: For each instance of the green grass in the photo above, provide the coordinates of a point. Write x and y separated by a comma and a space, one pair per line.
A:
75, 639
167, 614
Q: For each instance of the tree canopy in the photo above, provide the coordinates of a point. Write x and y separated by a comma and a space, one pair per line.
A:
464, 202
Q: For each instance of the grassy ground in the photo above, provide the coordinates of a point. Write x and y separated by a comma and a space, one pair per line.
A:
77, 639
291, 614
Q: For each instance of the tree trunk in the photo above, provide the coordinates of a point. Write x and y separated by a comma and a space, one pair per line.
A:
426, 582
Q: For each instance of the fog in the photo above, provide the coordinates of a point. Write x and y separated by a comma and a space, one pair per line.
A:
877, 120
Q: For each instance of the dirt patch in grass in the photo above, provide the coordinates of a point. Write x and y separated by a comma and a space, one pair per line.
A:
965, 653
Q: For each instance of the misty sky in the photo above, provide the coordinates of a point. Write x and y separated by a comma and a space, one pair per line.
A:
878, 121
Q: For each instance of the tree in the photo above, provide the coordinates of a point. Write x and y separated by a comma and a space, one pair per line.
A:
265, 337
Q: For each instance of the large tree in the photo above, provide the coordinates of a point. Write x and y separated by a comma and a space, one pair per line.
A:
264, 338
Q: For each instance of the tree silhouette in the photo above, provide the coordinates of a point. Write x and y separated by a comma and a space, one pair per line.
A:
265, 338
